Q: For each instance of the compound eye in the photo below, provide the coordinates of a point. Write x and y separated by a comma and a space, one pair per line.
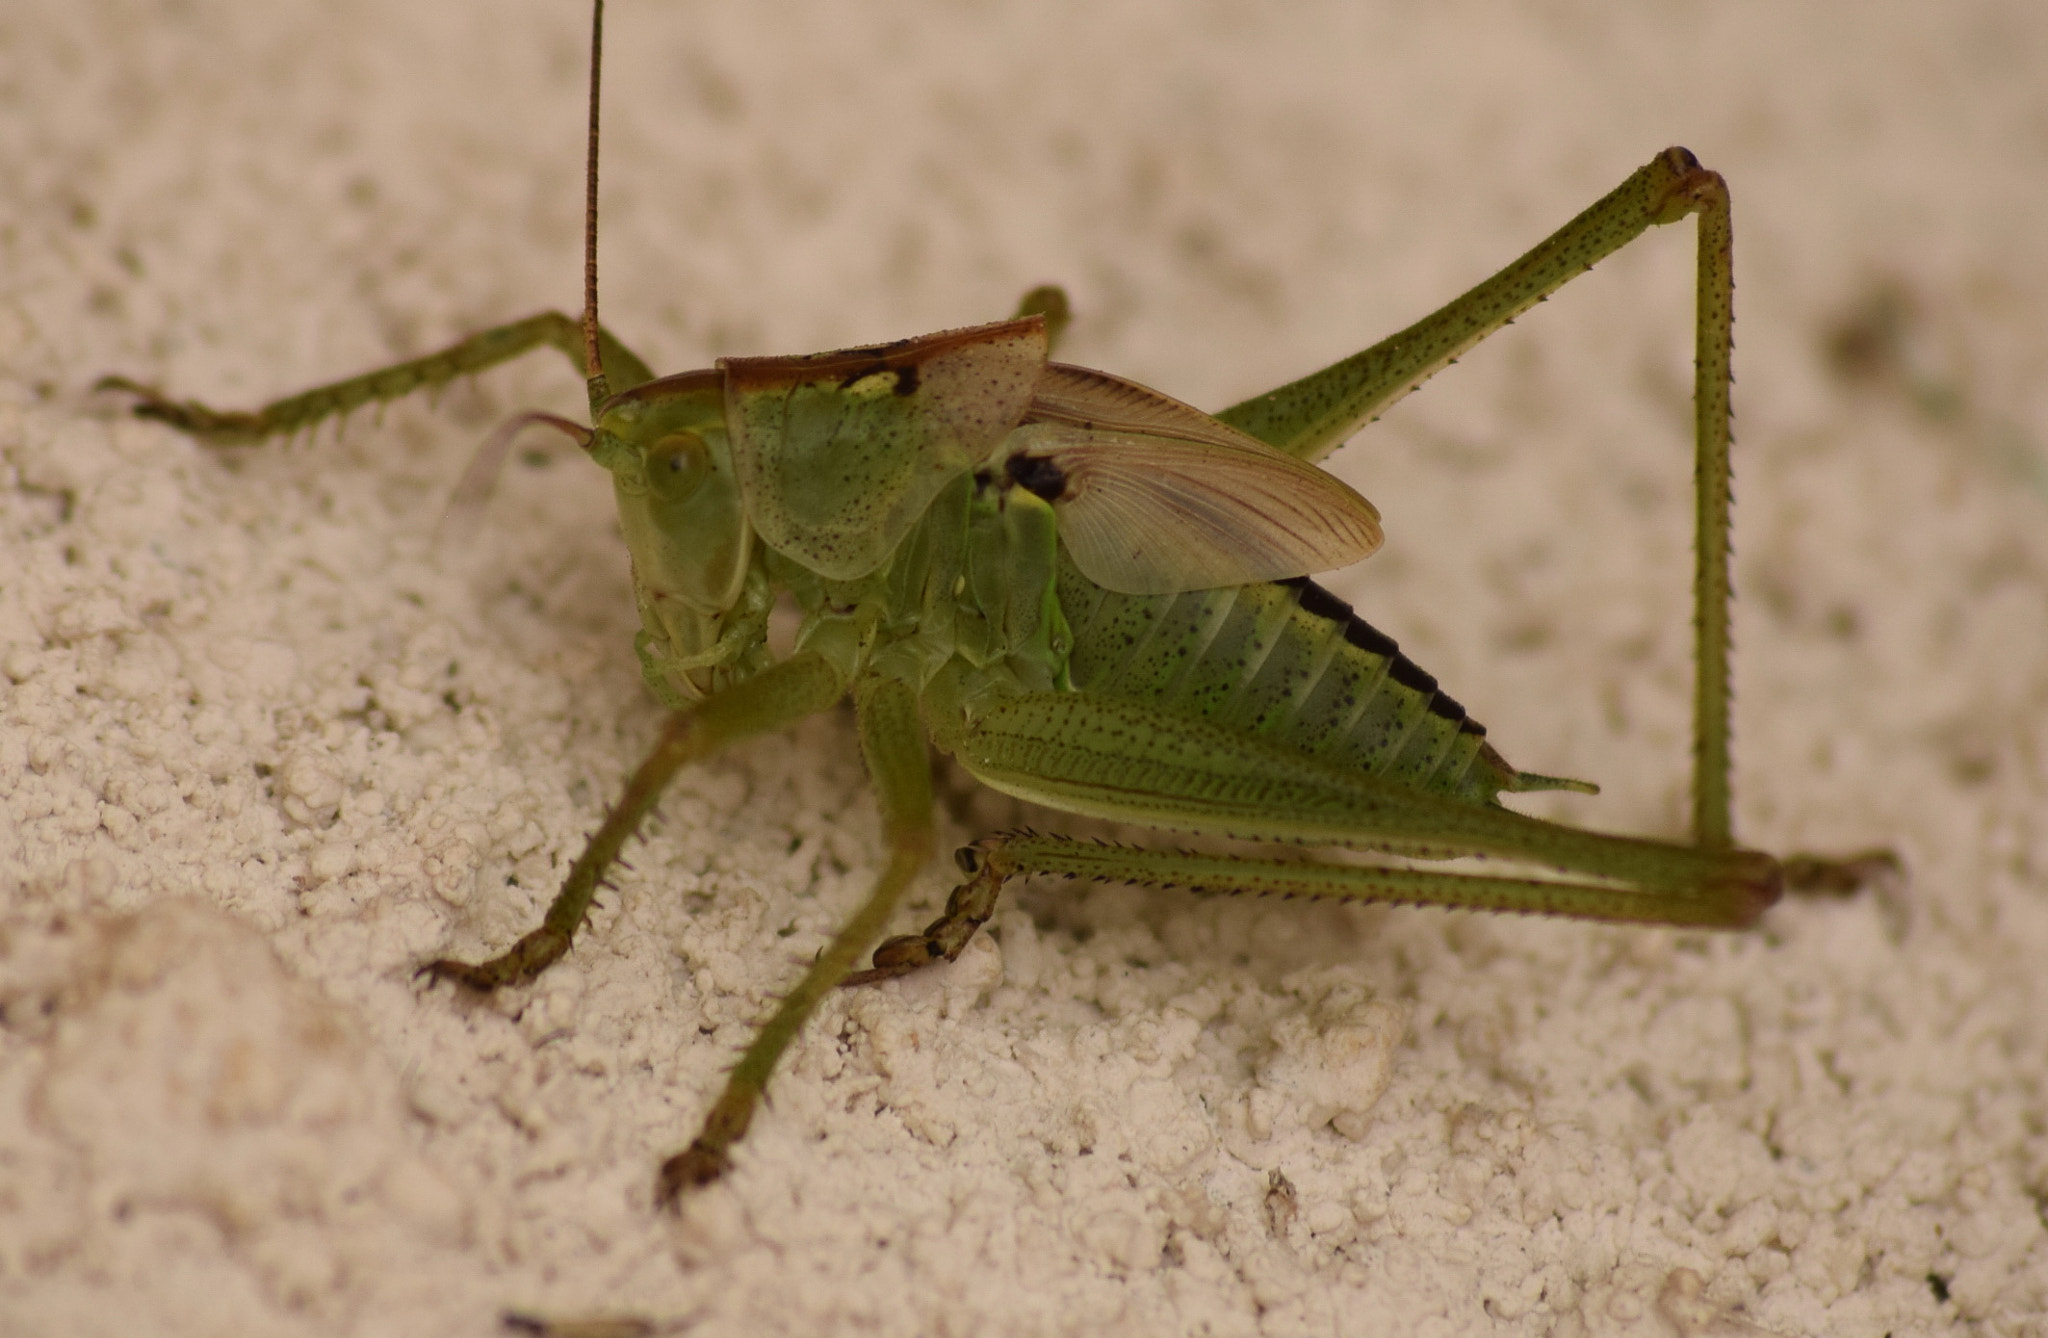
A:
677, 465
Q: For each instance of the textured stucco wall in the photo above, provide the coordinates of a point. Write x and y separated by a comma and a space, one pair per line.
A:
264, 746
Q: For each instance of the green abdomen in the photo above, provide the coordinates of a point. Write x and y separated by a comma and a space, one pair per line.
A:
1287, 661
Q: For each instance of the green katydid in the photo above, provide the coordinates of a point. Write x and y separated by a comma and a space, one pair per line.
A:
1091, 596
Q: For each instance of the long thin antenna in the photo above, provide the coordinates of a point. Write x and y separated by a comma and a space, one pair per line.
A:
593, 363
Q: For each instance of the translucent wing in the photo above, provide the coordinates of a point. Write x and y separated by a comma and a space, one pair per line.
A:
1146, 513
1083, 397
839, 454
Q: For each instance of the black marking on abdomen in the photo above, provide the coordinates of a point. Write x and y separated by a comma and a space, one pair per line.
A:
1362, 634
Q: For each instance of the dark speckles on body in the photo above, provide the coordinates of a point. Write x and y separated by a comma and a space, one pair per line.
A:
877, 351
1289, 662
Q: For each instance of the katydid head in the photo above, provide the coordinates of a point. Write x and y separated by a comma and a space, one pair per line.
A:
685, 524
666, 446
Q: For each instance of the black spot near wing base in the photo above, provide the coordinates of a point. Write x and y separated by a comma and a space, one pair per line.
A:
1037, 475
1362, 634
904, 377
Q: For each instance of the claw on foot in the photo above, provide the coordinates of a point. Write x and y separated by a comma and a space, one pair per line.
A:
1816, 876
526, 959
898, 956
465, 974
689, 1170
188, 415
709, 1155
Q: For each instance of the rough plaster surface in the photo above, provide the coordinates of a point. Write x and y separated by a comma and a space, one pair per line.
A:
264, 746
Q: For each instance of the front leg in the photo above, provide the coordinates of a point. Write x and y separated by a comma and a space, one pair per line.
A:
892, 742
779, 696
